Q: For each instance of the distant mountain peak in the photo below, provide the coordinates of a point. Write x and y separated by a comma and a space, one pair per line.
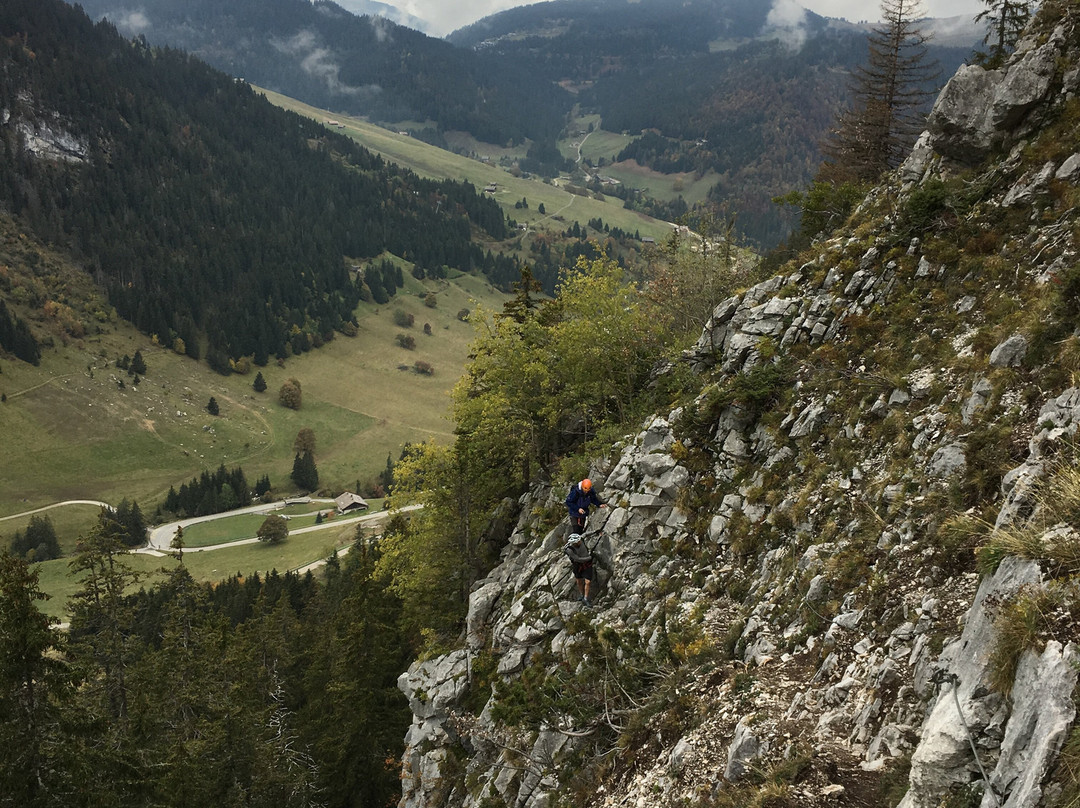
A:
376, 9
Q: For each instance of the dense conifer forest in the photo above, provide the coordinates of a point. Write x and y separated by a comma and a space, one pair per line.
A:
274, 691
207, 214
361, 65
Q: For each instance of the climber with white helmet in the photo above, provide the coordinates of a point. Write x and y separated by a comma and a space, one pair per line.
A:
582, 562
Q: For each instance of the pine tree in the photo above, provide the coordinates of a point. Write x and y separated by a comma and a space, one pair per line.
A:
100, 616
262, 485
890, 94
212, 406
177, 544
35, 690
356, 651
39, 543
129, 517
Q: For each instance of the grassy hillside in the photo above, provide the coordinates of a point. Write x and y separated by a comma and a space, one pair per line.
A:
86, 431
561, 207
75, 433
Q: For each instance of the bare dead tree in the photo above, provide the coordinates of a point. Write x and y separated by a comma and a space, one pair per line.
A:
890, 96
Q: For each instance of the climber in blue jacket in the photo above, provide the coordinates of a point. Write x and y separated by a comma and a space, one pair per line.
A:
578, 503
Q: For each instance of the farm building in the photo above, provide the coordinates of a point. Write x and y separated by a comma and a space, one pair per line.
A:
348, 502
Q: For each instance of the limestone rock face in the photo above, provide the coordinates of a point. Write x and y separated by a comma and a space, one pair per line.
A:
943, 757
806, 552
980, 109
961, 120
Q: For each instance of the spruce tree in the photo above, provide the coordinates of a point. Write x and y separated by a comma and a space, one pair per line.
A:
1006, 20
101, 616
138, 365
259, 384
35, 693
304, 474
39, 543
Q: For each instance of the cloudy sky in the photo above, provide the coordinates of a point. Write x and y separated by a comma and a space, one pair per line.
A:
446, 15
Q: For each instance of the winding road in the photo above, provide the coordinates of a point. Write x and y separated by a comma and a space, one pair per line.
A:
160, 538
57, 505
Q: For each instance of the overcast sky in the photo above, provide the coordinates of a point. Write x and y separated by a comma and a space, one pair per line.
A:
446, 15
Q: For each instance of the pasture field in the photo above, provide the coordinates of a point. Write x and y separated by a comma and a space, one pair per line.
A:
218, 531
594, 145
77, 434
246, 525
431, 161
603, 144
465, 142
69, 522
662, 186
55, 576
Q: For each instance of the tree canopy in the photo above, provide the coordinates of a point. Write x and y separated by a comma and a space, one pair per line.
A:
273, 530
545, 376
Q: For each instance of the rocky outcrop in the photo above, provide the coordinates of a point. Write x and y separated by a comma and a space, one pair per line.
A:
45, 135
980, 110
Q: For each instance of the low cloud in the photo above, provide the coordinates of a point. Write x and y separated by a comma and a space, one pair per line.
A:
381, 28
131, 23
319, 62
787, 22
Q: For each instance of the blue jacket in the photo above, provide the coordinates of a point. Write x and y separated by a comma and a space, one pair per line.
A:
579, 499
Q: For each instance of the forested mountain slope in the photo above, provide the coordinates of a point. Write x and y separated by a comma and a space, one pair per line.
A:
326, 56
720, 87
839, 568
740, 89
733, 87
207, 214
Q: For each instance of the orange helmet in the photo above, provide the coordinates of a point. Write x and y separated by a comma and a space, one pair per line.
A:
586, 484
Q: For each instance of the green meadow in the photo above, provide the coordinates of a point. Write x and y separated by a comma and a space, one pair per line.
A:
56, 580
597, 145
79, 428
560, 206
246, 525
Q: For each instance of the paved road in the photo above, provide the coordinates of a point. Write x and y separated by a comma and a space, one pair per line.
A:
58, 505
162, 535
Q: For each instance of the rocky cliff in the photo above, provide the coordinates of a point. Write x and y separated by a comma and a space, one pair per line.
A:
839, 571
